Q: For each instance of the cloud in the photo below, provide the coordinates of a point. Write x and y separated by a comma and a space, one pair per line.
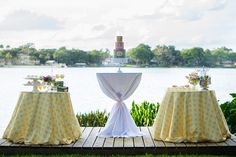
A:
214, 5
99, 28
184, 10
89, 24
21, 20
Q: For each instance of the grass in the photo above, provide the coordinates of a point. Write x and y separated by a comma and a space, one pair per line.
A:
147, 155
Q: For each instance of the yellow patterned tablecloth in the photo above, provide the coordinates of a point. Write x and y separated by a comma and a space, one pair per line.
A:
43, 118
188, 115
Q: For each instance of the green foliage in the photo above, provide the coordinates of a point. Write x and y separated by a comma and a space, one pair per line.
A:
62, 55
167, 56
115, 155
144, 113
142, 53
221, 54
194, 56
229, 110
44, 55
97, 118
209, 59
232, 57
70, 57
96, 57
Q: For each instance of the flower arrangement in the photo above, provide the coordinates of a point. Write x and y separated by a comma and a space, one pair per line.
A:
46, 83
205, 79
49, 80
193, 78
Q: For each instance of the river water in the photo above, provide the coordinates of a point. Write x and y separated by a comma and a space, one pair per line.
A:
87, 96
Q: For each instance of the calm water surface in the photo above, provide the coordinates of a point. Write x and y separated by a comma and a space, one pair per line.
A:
87, 96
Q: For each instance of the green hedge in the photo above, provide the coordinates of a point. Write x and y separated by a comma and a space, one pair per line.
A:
229, 110
87, 155
144, 113
97, 118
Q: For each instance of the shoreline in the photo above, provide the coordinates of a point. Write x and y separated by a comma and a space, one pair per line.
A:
128, 66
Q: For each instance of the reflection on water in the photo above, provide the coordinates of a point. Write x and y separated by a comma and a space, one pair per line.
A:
85, 91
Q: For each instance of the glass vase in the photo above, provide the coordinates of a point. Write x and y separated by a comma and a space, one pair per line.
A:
49, 88
204, 85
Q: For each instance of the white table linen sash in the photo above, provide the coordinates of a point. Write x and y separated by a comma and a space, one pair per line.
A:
119, 86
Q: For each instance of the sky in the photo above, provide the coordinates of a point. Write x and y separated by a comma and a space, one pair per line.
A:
94, 24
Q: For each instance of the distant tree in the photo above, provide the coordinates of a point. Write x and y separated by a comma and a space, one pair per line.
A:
8, 58
221, 54
62, 56
77, 55
10, 55
34, 55
97, 56
142, 53
232, 57
105, 53
27, 45
28, 49
167, 55
1, 55
44, 54
193, 56
70, 57
209, 59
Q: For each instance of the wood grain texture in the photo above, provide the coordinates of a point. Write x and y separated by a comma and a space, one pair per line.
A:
83, 138
90, 143
147, 139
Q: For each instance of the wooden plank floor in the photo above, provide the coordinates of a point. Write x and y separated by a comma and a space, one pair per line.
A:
89, 143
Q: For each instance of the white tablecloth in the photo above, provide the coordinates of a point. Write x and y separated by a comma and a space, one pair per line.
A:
119, 86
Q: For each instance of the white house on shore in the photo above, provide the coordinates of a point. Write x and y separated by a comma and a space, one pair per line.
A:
55, 64
50, 62
80, 64
228, 64
25, 60
115, 61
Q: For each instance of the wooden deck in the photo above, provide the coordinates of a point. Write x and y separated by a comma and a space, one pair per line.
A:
89, 143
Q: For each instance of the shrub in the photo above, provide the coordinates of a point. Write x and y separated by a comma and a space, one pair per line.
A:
144, 113
97, 118
229, 110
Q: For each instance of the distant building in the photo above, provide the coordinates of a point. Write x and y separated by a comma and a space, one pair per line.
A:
24, 59
107, 62
153, 61
80, 64
55, 64
50, 62
119, 60
228, 64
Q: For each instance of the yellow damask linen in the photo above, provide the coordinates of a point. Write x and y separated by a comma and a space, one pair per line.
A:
188, 115
43, 118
